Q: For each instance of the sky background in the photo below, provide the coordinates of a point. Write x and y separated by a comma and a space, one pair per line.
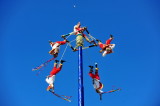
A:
27, 25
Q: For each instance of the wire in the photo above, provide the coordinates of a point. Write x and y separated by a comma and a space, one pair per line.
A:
64, 51
68, 37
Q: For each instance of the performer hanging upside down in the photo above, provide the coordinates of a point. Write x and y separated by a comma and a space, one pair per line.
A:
98, 86
106, 48
51, 78
96, 80
55, 47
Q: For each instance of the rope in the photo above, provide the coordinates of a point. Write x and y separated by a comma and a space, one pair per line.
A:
91, 37
68, 37
73, 40
64, 52
69, 43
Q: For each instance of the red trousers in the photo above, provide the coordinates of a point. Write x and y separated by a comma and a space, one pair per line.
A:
61, 42
96, 75
55, 70
108, 41
101, 45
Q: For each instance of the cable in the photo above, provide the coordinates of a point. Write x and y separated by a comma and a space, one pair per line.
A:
64, 52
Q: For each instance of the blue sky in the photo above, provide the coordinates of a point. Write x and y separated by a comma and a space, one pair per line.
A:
27, 25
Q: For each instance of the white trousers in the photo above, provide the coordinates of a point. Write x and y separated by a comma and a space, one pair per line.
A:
50, 80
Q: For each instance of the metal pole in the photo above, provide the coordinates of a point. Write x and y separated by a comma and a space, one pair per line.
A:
80, 78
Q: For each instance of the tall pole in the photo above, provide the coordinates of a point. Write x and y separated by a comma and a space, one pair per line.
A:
80, 78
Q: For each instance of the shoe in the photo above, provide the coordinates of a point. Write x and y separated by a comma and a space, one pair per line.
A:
49, 41
56, 61
63, 36
91, 67
95, 44
67, 41
85, 27
96, 65
55, 55
111, 36
75, 49
98, 40
62, 61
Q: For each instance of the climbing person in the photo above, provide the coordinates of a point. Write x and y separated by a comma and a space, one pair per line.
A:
80, 35
51, 77
79, 32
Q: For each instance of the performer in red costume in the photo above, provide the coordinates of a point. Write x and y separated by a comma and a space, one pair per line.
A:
96, 80
106, 48
51, 78
79, 32
55, 47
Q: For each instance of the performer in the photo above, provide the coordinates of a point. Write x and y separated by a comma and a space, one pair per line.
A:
55, 47
79, 32
80, 35
96, 80
106, 48
51, 78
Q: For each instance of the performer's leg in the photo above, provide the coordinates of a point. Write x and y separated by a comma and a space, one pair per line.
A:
54, 70
101, 45
91, 72
61, 64
55, 63
96, 74
91, 69
109, 41
61, 42
71, 33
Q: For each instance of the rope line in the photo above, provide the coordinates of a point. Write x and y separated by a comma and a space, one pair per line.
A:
64, 52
